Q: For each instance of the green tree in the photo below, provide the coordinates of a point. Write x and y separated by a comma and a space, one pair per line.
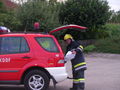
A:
90, 13
115, 17
8, 18
38, 11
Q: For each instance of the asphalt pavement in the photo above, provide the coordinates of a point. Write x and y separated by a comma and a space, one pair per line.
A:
103, 73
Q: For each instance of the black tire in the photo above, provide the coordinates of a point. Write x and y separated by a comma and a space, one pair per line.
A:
36, 80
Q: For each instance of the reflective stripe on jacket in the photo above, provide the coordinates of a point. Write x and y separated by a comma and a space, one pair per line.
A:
80, 66
80, 80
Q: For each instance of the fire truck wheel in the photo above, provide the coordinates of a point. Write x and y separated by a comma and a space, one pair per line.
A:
36, 80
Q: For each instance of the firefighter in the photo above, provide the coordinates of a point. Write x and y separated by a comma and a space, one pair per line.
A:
78, 63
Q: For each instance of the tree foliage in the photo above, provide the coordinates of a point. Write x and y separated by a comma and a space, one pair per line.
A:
115, 18
7, 18
38, 11
90, 13
51, 14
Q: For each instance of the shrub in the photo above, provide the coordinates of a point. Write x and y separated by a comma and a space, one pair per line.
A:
112, 29
108, 45
89, 48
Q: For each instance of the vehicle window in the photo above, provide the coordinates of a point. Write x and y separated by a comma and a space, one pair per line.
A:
47, 43
10, 45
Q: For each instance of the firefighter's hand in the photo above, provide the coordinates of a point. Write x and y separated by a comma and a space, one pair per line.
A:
73, 52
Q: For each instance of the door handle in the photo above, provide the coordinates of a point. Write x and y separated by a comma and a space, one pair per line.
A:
26, 57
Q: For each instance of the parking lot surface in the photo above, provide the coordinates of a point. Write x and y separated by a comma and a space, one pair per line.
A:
103, 73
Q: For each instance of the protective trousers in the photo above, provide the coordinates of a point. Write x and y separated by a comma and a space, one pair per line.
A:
78, 80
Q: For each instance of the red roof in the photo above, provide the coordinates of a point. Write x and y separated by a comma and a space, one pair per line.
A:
9, 4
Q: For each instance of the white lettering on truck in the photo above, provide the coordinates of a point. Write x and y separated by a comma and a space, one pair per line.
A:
4, 60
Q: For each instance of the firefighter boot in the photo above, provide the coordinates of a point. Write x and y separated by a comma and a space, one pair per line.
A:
76, 89
73, 88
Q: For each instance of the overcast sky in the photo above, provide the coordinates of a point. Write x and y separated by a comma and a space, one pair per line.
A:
114, 4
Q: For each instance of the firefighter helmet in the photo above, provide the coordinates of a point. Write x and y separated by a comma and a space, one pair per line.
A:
67, 36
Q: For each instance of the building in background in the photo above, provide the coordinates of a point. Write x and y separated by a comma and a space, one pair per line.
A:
9, 4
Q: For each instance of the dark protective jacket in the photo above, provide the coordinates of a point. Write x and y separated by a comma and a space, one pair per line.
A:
78, 63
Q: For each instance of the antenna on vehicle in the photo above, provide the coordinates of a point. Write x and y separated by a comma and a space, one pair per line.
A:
25, 30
